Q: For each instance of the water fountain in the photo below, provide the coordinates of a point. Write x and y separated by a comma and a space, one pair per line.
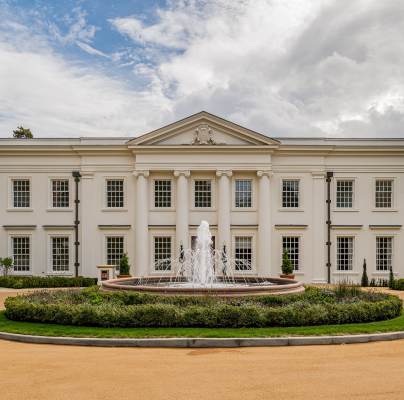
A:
205, 271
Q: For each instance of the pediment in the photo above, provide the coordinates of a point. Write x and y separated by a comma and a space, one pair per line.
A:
203, 129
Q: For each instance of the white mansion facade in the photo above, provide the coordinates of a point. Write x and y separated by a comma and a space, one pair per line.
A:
330, 202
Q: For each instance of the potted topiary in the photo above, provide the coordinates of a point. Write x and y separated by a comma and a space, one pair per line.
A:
124, 267
287, 267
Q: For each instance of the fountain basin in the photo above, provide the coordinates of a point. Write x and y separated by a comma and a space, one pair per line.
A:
240, 286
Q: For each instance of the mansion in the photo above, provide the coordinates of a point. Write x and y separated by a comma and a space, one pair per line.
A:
70, 205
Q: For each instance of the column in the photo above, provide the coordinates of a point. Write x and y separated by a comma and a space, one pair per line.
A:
182, 210
142, 224
264, 242
319, 229
223, 207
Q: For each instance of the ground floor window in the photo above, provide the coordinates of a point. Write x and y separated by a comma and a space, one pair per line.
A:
21, 250
162, 253
243, 253
60, 253
292, 245
115, 249
344, 253
384, 253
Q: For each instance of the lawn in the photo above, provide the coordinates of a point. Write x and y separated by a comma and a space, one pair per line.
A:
42, 329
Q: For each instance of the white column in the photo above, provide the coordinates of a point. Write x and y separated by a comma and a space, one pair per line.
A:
182, 210
142, 224
223, 206
319, 228
264, 225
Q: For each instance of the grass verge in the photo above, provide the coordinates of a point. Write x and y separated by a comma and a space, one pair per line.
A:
42, 329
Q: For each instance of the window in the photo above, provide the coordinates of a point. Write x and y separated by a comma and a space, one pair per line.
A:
21, 193
162, 193
243, 253
162, 253
60, 193
290, 193
115, 249
291, 244
344, 253
384, 193
384, 253
60, 253
203, 193
344, 194
115, 193
243, 195
21, 253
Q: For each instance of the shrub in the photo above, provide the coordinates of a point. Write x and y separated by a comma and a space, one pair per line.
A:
398, 284
365, 279
287, 267
124, 266
93, 307
22, 282
391, 278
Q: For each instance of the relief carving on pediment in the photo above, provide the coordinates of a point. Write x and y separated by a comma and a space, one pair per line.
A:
203, 135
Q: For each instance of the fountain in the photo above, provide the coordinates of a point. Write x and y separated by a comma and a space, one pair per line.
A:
205, 271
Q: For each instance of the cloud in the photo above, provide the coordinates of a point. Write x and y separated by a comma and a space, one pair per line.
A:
302, 67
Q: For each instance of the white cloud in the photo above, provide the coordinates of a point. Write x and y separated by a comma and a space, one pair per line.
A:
301, 67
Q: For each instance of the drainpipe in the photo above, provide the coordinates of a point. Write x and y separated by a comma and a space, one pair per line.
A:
76, 175
328, 222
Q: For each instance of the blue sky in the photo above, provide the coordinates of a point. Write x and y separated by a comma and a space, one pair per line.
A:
122, 68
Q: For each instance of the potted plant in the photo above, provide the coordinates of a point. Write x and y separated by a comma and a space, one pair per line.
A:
124, 267
287, 267
6, 264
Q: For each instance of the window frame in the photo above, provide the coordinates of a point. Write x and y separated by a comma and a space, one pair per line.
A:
50, 270
213, 193
232, 251
391, 237
12, 235
153, 253
11, 180
300, 258
345, 271
105, 245
105, 193
300, 194
153, 194
354, 190
253, 191
393, 193
50, 191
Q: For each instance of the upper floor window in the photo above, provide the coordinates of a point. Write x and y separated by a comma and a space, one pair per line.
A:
344, 194
115, 193
384, 193
243, 193
162, 253
291, 245
243, 253
290, 193
21, 249
345, 253
60, 193
115, 249
384, 253
203, 193
60, 253
21, 193
162, 193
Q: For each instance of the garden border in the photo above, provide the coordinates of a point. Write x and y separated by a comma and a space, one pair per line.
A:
204, 342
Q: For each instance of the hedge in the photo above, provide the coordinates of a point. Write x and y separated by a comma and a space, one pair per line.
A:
23, 282
68, 309
398, 284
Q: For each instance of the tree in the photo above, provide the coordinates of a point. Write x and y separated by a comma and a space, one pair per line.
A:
22, 133
391, 278
6, 264
365, 279
124, 266
287, 267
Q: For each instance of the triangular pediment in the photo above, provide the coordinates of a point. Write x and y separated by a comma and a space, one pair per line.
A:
203, 129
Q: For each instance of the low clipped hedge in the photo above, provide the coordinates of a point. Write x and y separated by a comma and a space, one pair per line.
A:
398, 284
24, 282
91, 307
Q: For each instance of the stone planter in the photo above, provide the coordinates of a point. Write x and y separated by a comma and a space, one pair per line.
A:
124, 276
287, 276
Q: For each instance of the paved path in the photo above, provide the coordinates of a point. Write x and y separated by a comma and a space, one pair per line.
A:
361, 372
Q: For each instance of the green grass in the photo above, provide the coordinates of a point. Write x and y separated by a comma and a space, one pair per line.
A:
41, 329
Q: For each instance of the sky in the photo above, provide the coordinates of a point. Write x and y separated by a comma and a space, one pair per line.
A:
331, 68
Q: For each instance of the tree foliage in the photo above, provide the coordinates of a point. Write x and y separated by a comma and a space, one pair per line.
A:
22, 133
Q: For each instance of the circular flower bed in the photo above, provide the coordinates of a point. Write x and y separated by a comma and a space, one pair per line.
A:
92, 307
